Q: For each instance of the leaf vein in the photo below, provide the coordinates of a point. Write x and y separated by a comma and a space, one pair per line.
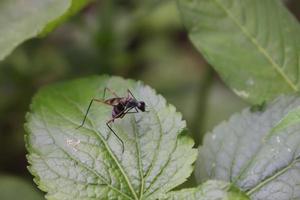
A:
79, 161
259, 47
105, 145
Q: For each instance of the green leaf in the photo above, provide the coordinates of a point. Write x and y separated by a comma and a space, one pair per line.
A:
20, 20
253, 44
247, 152
75, 7
293, 117
10, 184
210, 190
88, 163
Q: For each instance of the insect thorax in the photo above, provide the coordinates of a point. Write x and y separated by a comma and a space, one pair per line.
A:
117, 109
132, 103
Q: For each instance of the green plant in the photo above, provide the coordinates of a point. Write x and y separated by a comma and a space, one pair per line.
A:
158, 155
257, 152
253, 44
253, 155
16, 28
89, 162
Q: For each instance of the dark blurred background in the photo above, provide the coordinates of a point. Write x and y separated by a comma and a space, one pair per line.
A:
143, 40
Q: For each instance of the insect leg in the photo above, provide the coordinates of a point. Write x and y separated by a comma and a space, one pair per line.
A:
88, 109
130, 93
131, 112
108, 89
121, 115
107, 124
127, 112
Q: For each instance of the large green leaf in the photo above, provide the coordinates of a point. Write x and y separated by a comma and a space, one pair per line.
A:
88, 163
210, 190
21, 20
10, 184
253, 44
259, 152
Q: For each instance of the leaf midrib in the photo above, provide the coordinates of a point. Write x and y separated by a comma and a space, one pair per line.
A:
79, 162
259, 47
106, 146
139, 159
274, 176
264, 181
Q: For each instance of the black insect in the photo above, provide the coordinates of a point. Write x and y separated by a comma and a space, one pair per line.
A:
121, 107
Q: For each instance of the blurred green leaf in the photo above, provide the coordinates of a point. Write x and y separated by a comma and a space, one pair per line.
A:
13, 188
221, 104
164, 18
70, 163
253, 44
21, 20
76, 6
242, 151
210, 190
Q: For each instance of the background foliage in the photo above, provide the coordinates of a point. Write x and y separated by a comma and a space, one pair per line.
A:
141, 40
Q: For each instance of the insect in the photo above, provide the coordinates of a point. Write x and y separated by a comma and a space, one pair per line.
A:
120, 107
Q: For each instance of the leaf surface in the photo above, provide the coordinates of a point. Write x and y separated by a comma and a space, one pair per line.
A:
88, 163
210, 190
21, 20
253, 44
258, 152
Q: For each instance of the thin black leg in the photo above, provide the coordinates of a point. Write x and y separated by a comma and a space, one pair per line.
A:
131, 112
129, 92
121, 115
107, 124
88, 109
127, 112
112, 92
